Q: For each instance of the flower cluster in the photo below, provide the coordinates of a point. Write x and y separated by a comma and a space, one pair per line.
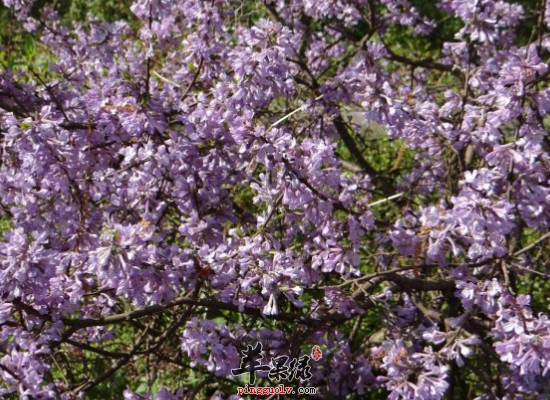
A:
368, 176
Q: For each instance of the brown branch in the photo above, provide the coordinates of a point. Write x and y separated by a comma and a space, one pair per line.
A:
87, 347
530, 246
151, 310
114, 368
195, 77
422, 285
425, 63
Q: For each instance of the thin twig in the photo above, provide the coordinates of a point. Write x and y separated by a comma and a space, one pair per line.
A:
283, 119
195, 77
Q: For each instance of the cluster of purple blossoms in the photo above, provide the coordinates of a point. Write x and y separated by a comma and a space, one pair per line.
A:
205, 175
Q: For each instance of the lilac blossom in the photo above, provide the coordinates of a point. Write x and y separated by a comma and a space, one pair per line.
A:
206, 175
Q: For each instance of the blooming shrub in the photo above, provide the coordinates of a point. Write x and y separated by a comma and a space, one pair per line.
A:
367, 176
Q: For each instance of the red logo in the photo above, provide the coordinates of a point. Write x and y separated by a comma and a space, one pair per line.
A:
316, 353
